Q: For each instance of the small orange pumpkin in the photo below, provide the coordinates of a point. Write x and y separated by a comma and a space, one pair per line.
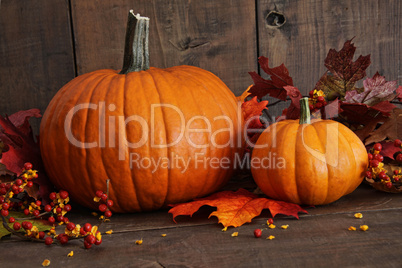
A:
128, 127
310, 163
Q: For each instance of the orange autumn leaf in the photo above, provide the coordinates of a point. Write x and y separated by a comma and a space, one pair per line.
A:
244, 95
236, 208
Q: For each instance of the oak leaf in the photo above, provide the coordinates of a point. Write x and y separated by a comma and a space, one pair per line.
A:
236, 208
391, 128
342, 72
274, 86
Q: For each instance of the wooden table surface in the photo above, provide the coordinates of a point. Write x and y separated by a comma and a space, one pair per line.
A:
318, 239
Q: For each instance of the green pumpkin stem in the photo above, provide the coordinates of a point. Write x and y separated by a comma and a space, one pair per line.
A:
304, 111
136, 55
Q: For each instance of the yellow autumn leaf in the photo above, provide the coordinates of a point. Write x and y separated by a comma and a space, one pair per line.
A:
70, 254
45, 263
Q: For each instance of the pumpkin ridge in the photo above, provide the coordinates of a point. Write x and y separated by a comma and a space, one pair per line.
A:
70, 162
285, 129
223, 106
85, 154
150, 72
324, 151
199, 112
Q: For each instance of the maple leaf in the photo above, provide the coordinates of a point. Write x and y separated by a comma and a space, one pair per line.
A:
388, 149
16, 132
399, 93
279, 78
376, 90
342, 72
252, 110
236, 208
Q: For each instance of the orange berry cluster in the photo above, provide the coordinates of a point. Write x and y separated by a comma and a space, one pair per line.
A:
376, 170
12, 196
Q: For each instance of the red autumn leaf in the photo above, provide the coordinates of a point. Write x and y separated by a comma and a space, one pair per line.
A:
388, 149
399, 93
279, 78
342, 72
16, 132
236, 208
252, 110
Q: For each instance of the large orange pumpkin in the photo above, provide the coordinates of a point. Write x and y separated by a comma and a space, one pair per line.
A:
306, 162
153, 132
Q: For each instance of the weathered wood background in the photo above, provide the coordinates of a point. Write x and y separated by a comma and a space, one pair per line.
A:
44, 44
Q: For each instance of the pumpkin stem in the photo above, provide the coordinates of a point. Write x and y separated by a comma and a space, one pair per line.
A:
136, 55
304, 111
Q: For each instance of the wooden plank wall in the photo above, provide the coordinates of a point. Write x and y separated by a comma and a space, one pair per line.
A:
45, 44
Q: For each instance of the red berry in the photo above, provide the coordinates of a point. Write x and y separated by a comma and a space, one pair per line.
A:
60, 218
63, 239
379, 157
90, 239
70, 226
28, 225
99, 193
29, 184
52, 196
51, 219
98, 242
48, 240
109, 203
11, 220
18, 182
318, 105
320, 99
67, 207
87, 227
389, 184
2, 185
370, 156
2, 199
377, 147
16, 226
311, 93
369, 174
6, 206
48, 208
26, 211
38, 203
15, 188
104, 197
3, 191
20, 190
87, 245
82, 232
4, 212
257, 233
374, 163
102, 207
36, 213
63, 194
311, 107
270, 221
41, 235
397, 143
59, 210
382, 175
66, 220
396, 179
399, 157
396, 172
28, 166
108, 214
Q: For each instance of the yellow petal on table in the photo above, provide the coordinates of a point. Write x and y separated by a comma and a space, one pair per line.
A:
109, 232
46, 263
235, 234
358, 215
352, 228
70, 254
138, 242
271, 237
